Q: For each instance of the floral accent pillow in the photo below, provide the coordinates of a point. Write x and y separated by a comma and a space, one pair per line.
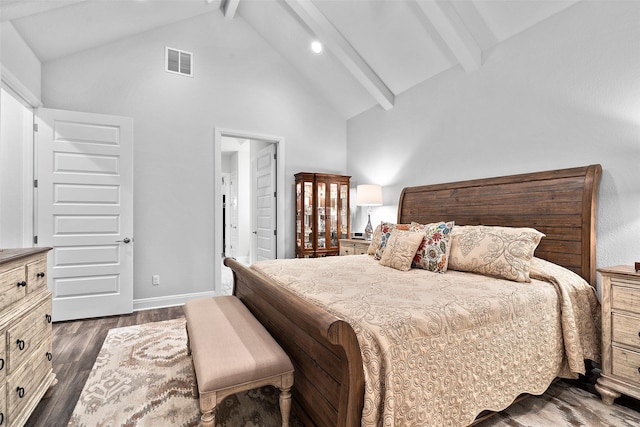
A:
385, 232
503, 252
400, 248
433, 252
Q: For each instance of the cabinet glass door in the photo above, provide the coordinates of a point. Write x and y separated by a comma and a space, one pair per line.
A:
333, 215
344, 211
308, 215
299, 213
322, 205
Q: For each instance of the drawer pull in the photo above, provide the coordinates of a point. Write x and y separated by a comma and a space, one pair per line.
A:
23, 284
1, 364
639, 370
1, 418
20, 391
40, 275
49, 356
20, 344
48, 318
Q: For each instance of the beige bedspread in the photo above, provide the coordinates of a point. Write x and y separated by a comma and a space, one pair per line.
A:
438, 349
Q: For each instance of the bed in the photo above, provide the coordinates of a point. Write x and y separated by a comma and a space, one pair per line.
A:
334, 377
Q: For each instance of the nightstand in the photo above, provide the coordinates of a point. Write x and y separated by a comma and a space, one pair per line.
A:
620, 333
354, 246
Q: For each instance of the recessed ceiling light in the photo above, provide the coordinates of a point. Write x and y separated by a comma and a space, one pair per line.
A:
316, 47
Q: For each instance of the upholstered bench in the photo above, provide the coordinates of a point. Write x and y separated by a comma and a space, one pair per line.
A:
232, 352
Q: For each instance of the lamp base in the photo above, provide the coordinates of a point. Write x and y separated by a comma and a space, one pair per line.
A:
368, 230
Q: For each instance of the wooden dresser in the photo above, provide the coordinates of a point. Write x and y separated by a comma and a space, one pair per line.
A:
620, 333
25, 321
354, 246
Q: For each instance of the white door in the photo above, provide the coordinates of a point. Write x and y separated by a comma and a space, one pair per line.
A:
234, 240
85, 211
265, 203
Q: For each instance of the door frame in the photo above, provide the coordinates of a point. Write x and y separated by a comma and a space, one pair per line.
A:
217, 190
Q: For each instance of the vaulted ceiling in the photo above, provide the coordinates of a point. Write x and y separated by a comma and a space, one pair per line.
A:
374, 49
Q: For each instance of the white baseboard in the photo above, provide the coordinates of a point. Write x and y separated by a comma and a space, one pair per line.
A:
168, 301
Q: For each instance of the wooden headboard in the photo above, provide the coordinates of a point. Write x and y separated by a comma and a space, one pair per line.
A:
559, 203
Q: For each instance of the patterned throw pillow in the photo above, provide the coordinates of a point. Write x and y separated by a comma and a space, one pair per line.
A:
433, 252
400, 248
385, 231
503, 252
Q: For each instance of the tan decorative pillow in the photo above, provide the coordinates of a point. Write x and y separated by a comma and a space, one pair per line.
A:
503, 252
385, 231
400, 249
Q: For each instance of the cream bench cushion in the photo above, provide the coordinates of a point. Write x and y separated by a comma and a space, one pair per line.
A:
231, 352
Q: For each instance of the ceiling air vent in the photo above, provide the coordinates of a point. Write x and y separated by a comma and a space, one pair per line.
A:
178, 61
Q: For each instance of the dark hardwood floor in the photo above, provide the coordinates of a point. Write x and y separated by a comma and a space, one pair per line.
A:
75, 347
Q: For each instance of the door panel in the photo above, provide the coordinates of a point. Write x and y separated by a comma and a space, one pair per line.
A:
85, 211
265, 203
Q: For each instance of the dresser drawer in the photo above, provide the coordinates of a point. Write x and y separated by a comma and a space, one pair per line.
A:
3, 357
28, 333
13, 286
625, 297
350, 247
626, 365
24, 385
346, 249
3, 406
36, 274
626, 330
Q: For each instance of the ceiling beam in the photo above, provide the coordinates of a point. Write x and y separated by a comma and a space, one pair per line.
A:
454, 33
14, 9
342, 49
229, 8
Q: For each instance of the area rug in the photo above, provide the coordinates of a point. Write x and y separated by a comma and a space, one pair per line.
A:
142, 377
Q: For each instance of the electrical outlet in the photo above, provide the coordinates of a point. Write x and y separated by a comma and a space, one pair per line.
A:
155, 279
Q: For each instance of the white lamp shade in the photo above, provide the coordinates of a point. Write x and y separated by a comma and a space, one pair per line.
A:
369, 195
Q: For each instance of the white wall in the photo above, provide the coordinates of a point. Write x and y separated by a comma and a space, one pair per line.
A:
19, 60
564, 93
239, 83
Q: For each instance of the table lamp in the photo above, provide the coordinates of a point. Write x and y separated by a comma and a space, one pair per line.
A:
368, 195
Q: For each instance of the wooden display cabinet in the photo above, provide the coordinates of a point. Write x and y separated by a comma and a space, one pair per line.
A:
322, 213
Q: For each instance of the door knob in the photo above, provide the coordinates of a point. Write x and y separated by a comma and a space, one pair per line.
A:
125, 240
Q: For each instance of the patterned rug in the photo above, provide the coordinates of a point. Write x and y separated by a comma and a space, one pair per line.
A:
142, 377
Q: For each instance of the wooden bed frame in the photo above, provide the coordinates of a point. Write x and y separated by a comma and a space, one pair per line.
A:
329, 383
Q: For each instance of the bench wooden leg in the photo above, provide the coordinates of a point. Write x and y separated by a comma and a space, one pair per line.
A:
194, 390
194, 383
208, 419
285, 405
188, 341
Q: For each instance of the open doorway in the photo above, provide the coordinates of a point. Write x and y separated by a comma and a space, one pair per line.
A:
16, 170
249, 202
